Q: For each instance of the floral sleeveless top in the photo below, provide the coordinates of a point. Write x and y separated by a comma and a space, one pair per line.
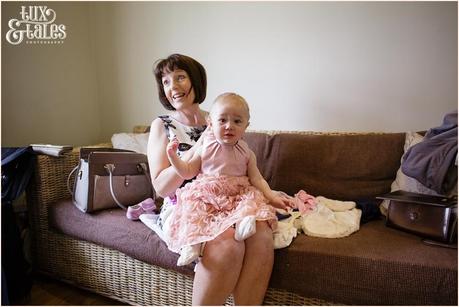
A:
187, 135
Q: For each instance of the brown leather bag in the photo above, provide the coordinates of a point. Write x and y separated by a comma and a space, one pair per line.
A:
107, 178
431, 217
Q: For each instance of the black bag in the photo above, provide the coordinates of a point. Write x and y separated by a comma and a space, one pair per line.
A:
431, 217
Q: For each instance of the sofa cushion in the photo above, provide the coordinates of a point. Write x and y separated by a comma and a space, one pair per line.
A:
337, 166
137, 142
110, 228
376, 265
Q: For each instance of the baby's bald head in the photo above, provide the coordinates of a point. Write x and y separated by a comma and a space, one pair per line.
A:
236, 101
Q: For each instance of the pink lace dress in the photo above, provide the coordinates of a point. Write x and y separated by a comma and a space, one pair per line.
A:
220, 196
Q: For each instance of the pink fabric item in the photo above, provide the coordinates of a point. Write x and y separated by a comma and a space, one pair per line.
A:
146, 206
209, 205
304, 202
222, 159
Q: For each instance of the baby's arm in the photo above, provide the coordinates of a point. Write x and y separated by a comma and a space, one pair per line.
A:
257, 180
186, 170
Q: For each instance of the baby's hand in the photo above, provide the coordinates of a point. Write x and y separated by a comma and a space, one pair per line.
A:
281, 202
172, 146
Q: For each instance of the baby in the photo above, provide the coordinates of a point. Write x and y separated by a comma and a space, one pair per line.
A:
229, 189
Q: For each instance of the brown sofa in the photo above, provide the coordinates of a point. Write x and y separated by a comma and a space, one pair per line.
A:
109, 254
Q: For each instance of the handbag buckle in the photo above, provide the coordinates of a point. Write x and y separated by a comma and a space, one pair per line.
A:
109, 167
413, 215
141, 168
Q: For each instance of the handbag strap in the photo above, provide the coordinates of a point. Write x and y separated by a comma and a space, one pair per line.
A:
68, 180
142, 167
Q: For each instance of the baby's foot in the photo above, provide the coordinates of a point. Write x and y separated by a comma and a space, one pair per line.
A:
245, 228
188, 254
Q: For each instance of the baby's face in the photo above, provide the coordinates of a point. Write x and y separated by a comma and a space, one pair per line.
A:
229, 119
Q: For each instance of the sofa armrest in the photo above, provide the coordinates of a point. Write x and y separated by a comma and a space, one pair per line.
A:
48, 185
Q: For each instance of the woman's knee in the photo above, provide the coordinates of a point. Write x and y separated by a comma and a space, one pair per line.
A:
224, 251
263, 235
261, 247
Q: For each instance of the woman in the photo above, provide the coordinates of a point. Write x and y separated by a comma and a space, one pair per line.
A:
227, 266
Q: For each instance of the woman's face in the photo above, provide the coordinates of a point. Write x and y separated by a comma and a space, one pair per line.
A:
178, 89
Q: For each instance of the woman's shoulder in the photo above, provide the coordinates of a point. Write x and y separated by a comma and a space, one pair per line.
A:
157, 122
163, 121
166, 118
169, 121
158, 125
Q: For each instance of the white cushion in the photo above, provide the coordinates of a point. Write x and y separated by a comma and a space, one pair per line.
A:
131, 141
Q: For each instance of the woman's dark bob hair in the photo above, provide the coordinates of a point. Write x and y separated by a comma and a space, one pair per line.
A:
194, 69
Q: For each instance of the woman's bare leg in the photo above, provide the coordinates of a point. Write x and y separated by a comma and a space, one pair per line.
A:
257, 267
218, 271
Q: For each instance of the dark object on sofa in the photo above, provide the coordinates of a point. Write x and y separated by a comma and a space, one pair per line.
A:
370, 209
17, 167
432, 217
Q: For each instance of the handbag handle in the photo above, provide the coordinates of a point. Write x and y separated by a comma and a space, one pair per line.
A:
142, 167
68, 179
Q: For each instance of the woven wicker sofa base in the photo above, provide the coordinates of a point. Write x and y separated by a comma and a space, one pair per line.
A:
113, 274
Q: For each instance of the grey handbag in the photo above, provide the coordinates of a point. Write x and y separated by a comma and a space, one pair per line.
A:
108, 178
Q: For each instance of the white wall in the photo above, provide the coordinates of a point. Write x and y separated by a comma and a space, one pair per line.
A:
325, 66
357, 66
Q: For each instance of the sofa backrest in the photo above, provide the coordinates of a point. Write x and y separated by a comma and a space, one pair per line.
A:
339, 166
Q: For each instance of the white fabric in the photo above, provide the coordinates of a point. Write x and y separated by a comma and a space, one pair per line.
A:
131, 141
164, 218
325, 223
329, 219
336, 205
151, 221
188, 254
159, 223
246, 228
285, 232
